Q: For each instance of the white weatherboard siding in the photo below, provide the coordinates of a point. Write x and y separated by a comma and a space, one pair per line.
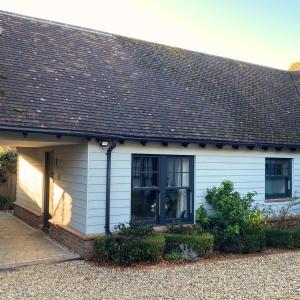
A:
96, 189
69, 188
30, 178
246, 168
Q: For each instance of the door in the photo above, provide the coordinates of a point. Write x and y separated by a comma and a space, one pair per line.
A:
49, 186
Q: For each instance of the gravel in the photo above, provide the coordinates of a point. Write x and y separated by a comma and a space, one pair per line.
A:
275, 276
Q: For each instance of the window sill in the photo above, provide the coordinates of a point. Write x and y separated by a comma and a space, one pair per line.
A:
287, 199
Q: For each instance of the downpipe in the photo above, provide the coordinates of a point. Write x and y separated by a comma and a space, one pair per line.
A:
108, 183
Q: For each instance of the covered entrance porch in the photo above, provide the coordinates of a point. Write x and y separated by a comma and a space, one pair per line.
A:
43, 196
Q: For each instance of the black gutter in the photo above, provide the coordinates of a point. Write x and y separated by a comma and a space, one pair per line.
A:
108, 180
136, 138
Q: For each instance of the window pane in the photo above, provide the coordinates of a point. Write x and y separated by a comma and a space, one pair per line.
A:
145, 180
145, 172
277, 167
185, 164
276, 186
176, 204
186, 179
278, 181
174, 179
150, 164
143, 205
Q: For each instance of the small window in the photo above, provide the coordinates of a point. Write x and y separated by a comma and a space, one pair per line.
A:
278, 178
162, 187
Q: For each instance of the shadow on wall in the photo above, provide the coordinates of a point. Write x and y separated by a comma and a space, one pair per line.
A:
30, 193
30, 185
61, 210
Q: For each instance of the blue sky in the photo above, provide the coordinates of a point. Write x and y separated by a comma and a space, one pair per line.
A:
259, 31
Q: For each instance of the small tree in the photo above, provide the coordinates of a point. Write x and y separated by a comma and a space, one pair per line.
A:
237, 225
8, 160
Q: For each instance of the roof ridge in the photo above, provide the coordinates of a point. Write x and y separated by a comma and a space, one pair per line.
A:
57, 23
113, 35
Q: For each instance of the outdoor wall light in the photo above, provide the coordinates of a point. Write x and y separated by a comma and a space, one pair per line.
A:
103, 144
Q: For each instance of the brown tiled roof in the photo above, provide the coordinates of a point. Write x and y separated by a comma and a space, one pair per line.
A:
71, 79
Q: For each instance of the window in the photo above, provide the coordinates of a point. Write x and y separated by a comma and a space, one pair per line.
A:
162, 188
278, 177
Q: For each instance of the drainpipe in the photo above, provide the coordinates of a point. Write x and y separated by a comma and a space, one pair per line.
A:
108, 180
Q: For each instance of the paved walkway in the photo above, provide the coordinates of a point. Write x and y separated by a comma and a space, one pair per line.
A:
21, 245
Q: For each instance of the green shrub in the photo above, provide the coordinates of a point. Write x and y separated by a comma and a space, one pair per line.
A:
283, 238
5, 202
188, 229
153, 248
236, 224
174, 256
101, 249
190, 245
122, 250
8, 162
127, 248
134, 229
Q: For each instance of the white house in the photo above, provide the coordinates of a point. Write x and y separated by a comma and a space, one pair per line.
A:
112, 130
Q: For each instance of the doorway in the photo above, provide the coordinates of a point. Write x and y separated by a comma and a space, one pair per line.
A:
49, 187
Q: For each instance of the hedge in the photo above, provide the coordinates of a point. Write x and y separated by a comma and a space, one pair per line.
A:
129, 250
283, 238
153, 248
201, 244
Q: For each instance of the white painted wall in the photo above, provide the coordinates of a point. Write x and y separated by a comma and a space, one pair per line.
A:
70, 186
246, 168
30, 178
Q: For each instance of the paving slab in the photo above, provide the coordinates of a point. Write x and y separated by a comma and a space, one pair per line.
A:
22, 245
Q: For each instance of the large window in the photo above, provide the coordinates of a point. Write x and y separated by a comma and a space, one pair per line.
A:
162, 189
278, 177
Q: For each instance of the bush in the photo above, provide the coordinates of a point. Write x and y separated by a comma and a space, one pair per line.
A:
5, 202
190, 245
8, 162
236, 224
283, 238
173, 256
126, 248
188, 229
153, 248
134, 229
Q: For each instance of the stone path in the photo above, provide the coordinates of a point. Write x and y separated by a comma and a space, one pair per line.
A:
21, 245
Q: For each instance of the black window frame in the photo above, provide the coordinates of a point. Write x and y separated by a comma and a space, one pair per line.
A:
289, 178
161, 218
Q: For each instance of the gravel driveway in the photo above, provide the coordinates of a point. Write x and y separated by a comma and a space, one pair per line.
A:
274, 276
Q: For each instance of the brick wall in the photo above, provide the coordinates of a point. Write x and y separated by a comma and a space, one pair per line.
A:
290, 222
32, 218
79, 244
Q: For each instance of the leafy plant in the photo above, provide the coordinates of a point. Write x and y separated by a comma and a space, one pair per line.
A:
8, 161
134, 229
173, 256
237, 225
190, 246
283, 238
5, 202
285, 213
130, 245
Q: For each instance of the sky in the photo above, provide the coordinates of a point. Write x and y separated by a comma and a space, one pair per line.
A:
265, 32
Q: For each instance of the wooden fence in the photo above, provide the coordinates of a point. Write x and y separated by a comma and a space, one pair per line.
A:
8, 188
